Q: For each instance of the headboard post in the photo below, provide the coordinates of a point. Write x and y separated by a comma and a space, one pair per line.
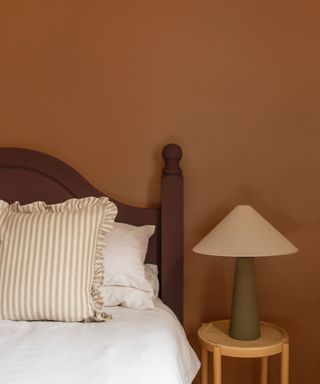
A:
172, 229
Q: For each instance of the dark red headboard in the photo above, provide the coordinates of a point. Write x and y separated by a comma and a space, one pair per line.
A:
27, 175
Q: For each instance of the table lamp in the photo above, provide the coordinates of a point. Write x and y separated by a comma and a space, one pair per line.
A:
244, 234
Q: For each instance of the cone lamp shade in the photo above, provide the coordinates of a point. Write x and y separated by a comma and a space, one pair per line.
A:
244, 234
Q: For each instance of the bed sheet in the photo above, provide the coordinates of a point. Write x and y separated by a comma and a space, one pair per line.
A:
136, 347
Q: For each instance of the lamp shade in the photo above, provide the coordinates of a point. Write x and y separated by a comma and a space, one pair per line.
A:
244, 233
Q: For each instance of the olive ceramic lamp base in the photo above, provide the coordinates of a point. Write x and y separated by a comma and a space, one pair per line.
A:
244, 322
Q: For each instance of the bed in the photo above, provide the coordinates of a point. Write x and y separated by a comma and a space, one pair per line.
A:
135, 346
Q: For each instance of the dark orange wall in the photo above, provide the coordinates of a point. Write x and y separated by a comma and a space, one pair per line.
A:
104, 84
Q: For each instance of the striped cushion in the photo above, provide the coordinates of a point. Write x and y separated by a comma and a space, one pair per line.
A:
51, 262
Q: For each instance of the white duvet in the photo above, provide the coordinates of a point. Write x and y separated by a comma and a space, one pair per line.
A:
136, 347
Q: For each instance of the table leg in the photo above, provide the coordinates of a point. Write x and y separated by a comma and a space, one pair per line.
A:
216, 365
285, 364
204, 366
264, 370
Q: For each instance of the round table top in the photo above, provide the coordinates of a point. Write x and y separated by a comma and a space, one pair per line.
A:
215, 334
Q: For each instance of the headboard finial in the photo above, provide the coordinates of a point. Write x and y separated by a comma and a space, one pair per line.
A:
172, 155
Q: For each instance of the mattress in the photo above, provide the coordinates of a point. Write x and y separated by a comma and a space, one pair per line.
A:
136, 347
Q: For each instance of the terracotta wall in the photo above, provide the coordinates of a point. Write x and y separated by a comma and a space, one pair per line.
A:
105, 84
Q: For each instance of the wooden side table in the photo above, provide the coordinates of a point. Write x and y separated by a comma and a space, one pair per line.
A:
213, 337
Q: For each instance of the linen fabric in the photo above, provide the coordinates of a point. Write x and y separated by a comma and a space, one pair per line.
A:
124, 255
126, 297
51, 260
131, 297
136, 347
151, 273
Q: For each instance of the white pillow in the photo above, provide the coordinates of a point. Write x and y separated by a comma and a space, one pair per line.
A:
151, 272
131, 297
124, 255
126, 297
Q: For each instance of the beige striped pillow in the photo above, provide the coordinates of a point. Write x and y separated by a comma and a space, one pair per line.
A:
51, 262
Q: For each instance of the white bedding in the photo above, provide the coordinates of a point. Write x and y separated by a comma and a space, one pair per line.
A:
136, 347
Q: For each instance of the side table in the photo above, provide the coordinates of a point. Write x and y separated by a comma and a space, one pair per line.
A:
213, 337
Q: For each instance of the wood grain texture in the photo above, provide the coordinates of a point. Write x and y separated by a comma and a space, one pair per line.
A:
264, 370
214, 337
216, 334
204, 366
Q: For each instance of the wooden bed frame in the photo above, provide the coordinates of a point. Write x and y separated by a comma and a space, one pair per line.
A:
27, 175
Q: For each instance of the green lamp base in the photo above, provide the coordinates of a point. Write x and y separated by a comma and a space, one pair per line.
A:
244, 322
